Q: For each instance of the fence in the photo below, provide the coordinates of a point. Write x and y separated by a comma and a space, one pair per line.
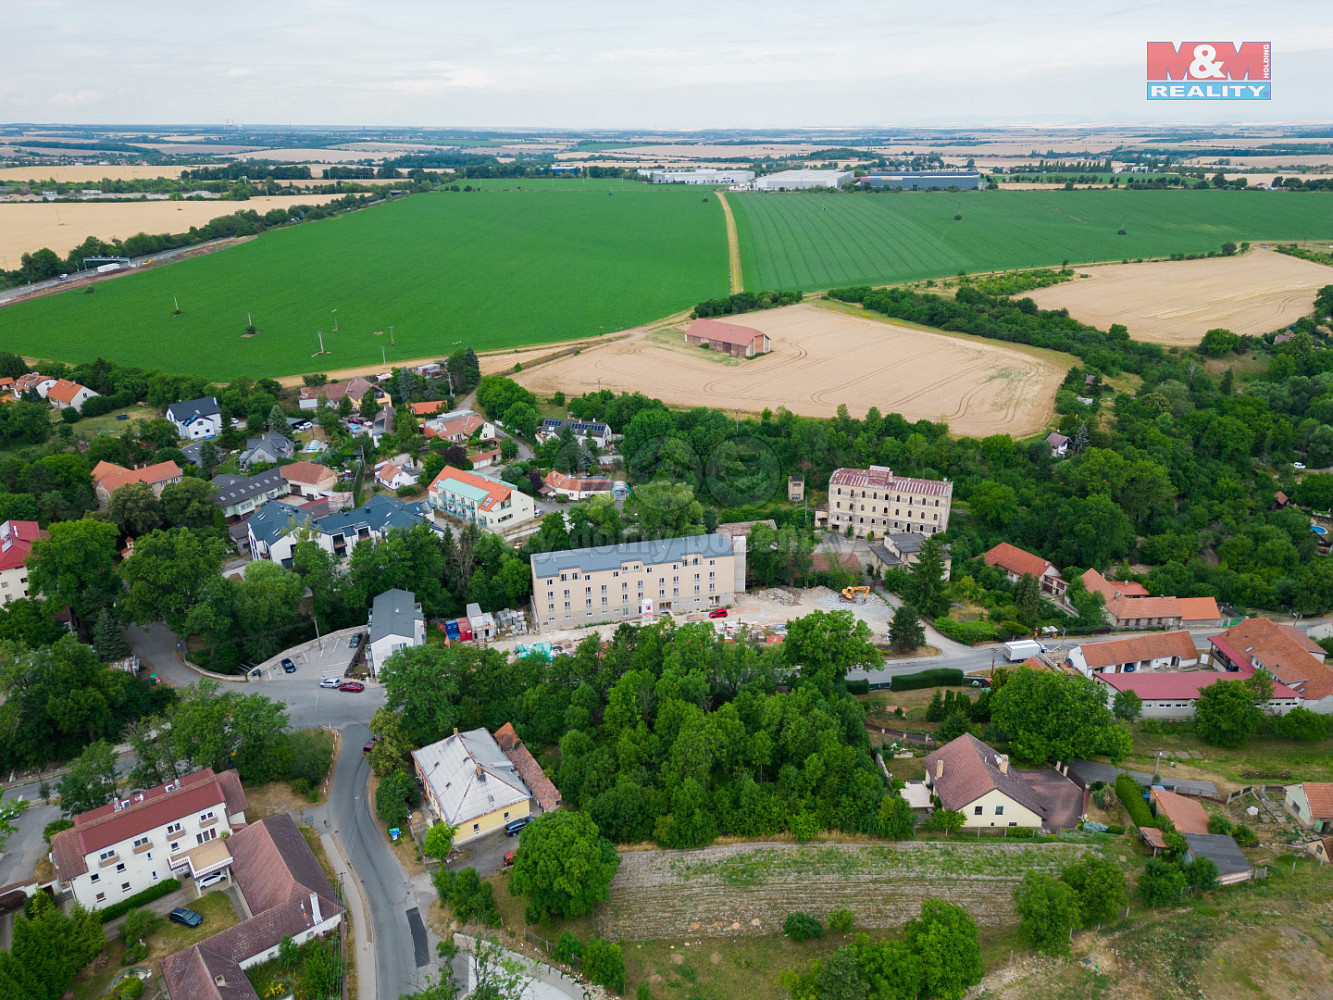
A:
572, 960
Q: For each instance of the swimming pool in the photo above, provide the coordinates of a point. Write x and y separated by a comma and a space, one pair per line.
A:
1319, 529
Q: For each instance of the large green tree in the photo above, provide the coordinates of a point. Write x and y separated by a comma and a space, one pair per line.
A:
1049, 716
1226, 714
75, 567
927, 587
824, 645
1100, 886
192, 503
90, 780
135, 509
1048, 911
169, 573
564, 866
945, 936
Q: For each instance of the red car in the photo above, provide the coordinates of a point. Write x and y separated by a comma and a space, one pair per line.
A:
509, 857
351, 686
718, 613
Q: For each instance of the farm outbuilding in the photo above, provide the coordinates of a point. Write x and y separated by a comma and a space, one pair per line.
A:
802, 180
964, 180
729, 338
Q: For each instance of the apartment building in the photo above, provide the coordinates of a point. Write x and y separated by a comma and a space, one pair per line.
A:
109, 477
164, 832
875, 501
16, 538
490, 503
620, 582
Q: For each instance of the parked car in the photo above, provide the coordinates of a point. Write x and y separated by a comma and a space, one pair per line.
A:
510, 856
288, 665
718, 613
354, 640
329, 682
1299, 466
122, 416
351, 686
515, 826
370, 744
185, 917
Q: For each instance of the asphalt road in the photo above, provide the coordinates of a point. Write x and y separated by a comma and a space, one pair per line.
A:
26, 846
402, 952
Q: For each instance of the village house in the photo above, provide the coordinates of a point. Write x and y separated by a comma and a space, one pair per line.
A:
459, 426
875, 502
65, 393
1058, 443
241, 496
396, 622
333, 393
971, 778
16, 538
542, 788
1095, 583
286, 895
903, 551
729, 338
470, 784
1312, 803
796, 489
557, 484
270, 449
196, 419
275, 530
308, 480
1185, 814
162, 832
391, 476
489, 503
32, 382
1159, 651
586, 431
1018, 563
107, 478
1144, 612
1260, 643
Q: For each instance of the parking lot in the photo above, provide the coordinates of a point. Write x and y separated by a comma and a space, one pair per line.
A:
308, 704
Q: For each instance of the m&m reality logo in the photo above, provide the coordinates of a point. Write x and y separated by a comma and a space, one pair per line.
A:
1210, 71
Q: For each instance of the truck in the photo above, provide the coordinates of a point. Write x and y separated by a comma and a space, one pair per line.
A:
1021, 649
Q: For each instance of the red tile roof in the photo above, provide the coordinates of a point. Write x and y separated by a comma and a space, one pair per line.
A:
1184, 813
727, 333
427, 408
111, 477
1095, 583
1306, 643
496, 491
64, 391
1262, 642
1145, 647
573, 484
101, 828
1198, 609
880, 477
1320, 796
307, 473
16, 538
506, 737
456, 427
1016, 560
527, 768
1138, 608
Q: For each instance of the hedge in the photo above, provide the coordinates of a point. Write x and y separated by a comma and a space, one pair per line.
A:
1130, 794
935, 677
167, 885
861, 686
968, 632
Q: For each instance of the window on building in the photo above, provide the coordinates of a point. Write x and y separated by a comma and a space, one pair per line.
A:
588, 603
566, 605
206, 816
124, 887
976, 810
999, 810
476, 827
94, 877
106, 855
204, 836
101, 897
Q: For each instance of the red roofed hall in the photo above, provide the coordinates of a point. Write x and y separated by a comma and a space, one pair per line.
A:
541, 787
1263, 644
1173, 695
1144, 612
1095, 583
1018, 562
1158, 651
730, 338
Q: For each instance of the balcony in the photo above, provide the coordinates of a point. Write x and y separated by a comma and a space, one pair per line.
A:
205, 823
107, 862
144, 847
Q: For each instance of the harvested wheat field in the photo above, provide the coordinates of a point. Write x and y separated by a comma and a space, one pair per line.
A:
90, 172
1177, 302
823, 357
29, 226
723, 891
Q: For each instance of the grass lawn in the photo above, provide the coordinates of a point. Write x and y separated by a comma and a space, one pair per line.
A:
1304, 761
218, 913
107, 423
405, 847
494, 269
807, 242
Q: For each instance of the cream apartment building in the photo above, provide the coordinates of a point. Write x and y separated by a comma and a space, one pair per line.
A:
637, 579
876, 501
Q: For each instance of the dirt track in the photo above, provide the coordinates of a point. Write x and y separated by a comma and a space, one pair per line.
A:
1177, 302
823, 357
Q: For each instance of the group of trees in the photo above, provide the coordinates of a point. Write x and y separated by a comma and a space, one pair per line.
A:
675, 737
48, 949
1088, 892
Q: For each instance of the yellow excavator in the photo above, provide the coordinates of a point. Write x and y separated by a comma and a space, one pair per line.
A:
856, 595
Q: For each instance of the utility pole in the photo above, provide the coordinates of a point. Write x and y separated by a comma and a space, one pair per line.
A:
391, 341
335, 320
320, 335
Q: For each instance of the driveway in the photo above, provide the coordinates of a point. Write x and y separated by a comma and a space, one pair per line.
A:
486, 854
403, 945
155, 647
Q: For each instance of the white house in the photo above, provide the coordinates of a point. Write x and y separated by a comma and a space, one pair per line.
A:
587, 431
471, 783
32, 382
1156, 651
286, 894
1059, 444
482, 622
573, 487
396, 622
16, 538
269, 450
391, 476
276, 528
65, 393
971, 778
196, 419
164, 832
490, 503
1312, 802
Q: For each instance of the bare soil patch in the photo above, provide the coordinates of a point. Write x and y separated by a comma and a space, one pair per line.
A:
29, 226
91, 172
1177, 302
823, 357
748, 889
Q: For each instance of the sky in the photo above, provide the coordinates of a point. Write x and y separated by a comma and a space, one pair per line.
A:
596, 64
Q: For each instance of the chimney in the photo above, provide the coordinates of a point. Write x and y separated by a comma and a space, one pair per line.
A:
1003, 761
315, 915
481, 775
455, 730
219, 980
939, 769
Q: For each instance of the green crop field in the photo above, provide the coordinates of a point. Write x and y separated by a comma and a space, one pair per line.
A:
813, 241
494, 269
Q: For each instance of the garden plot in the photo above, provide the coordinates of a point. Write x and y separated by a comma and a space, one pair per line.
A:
750, 888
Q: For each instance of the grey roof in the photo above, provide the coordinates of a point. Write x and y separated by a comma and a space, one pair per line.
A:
474, 610
273, 520
908, 543
1222, 849
235, 489
191, 452
884, 555
275, 444
187, 410
394, 612
469, 775
553, 425
600, 557
379, 513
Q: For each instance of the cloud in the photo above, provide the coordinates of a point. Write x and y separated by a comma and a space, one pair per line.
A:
67, 99
240, 72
